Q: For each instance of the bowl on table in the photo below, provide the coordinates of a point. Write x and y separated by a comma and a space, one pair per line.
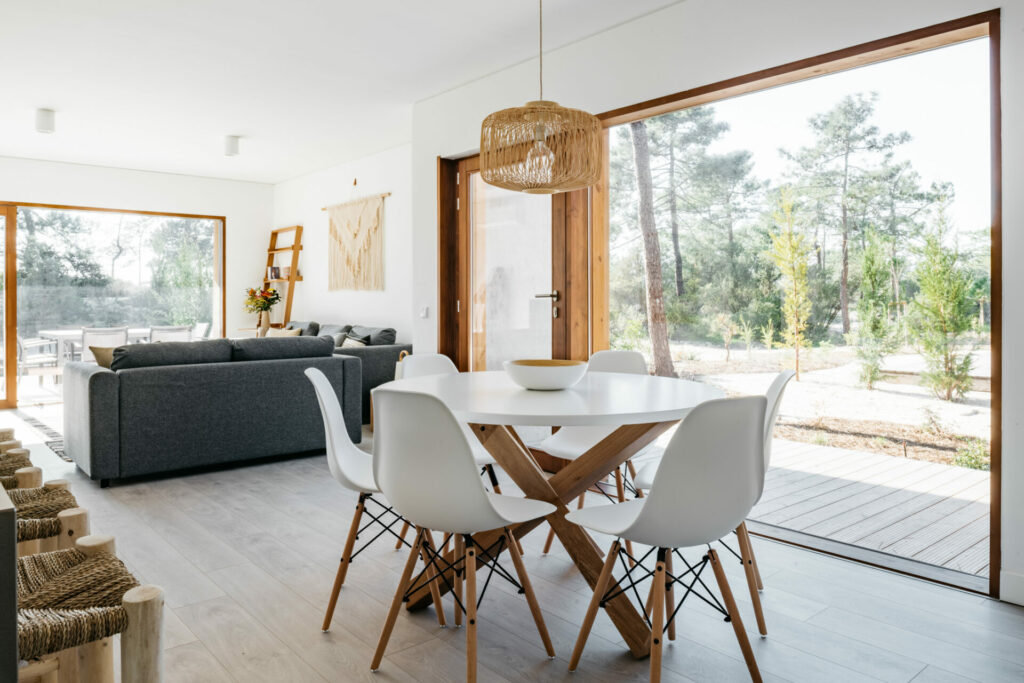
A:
545, 374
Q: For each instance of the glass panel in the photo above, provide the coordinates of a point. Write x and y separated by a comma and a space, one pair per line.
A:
510, 243
834, 226
121, 272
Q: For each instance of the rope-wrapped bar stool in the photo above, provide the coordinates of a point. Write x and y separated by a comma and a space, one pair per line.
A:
11, 462
48, 518
72, 602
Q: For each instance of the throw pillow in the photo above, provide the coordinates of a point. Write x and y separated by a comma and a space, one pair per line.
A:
353, 342
276, 332
104, 356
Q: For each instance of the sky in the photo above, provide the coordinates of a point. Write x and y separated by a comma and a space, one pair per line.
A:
941, 97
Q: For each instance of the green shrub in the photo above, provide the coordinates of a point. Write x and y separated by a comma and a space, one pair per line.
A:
973, 455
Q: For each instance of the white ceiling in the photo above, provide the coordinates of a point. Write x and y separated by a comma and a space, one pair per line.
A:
306, 83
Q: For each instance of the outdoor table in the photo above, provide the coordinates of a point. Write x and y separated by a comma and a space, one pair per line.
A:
66, 338
642, 407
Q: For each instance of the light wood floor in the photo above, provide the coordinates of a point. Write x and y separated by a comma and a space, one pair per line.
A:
925, 511
247, 557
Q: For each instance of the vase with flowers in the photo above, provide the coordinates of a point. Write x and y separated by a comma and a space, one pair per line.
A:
260, 301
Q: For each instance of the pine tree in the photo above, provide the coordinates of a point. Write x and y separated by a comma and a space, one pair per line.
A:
790, 253
943, 314
874, 332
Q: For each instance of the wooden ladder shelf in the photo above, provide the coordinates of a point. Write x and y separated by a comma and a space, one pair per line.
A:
293, 272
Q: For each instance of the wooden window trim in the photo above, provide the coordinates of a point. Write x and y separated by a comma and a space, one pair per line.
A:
10, 209
984, 24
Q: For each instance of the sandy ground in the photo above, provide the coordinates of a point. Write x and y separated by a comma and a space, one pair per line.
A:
830, 388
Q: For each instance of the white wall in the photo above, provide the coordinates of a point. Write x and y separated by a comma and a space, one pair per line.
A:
300, 200
245, 206
703, 41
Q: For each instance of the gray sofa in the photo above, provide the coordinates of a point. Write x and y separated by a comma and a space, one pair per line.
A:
178, 405
379, 356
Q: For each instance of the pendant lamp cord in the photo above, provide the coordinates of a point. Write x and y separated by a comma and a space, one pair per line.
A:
541, 31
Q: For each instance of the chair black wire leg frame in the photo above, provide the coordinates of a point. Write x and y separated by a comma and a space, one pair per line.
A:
386, 519
462, 585
663, 608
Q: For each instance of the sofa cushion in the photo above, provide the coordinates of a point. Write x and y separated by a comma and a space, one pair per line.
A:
272, 348
104, 355
336, 332
352, 341
279, 332
378, 335
171, 353
309, 328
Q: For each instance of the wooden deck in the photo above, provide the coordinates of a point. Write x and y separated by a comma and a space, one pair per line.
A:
933, 513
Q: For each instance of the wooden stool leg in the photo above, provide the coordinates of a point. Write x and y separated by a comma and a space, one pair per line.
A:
96, 659
599, 589
531, 599
346, 559
748, 567
742, 532
396, 602
74, 524
460, 550
430, 575
658, 618
401, 535
470, 611
734, 617
670, 596
142, 647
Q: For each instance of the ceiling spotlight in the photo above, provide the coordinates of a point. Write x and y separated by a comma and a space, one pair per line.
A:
45, 122
231, 145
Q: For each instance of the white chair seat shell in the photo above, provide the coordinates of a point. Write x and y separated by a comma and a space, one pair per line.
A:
644, 478
517, 510
611, 519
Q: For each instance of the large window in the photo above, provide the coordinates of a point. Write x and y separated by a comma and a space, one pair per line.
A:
839, 226
85, 270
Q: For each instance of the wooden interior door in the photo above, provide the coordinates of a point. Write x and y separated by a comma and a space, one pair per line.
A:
488, 242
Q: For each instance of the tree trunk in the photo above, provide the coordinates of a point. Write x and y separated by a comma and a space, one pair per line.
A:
674, 213
844, 277
657, 326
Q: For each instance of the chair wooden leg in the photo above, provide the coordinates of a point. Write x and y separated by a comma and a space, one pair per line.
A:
431, 575
670, 596
632, 475
551, 532
142, 647
396, 602
734, 617
346, 559
29, 477
658, 616
460, 549
401, 535
620, 493
96, 659
470, 611
748, 567
492, 475
531, 598
599, 589
744, 534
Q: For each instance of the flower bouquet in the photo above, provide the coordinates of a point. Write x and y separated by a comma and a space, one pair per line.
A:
260, 301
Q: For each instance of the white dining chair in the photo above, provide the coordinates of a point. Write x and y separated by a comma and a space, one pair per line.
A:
102, 337
424, 464
166, 333
199, 330
570, 443
352, 468
645, 478
711, 475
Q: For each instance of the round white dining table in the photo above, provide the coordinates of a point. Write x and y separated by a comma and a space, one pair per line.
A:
600, 398
639, 408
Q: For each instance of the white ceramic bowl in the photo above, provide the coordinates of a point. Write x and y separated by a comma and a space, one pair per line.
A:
546, 374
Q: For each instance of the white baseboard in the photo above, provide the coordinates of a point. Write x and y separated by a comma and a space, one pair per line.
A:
1011, 587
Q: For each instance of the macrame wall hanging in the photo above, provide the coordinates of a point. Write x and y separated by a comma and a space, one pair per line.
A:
355, 244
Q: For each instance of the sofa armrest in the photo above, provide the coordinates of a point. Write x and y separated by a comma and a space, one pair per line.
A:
378, 367
91, 419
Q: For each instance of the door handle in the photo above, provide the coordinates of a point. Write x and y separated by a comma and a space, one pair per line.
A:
553, 295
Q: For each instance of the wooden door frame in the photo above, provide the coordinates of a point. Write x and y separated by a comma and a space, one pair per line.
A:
984, 24
10, 210
570, 237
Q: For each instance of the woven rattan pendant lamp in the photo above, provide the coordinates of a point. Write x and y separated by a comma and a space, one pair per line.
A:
542, 147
